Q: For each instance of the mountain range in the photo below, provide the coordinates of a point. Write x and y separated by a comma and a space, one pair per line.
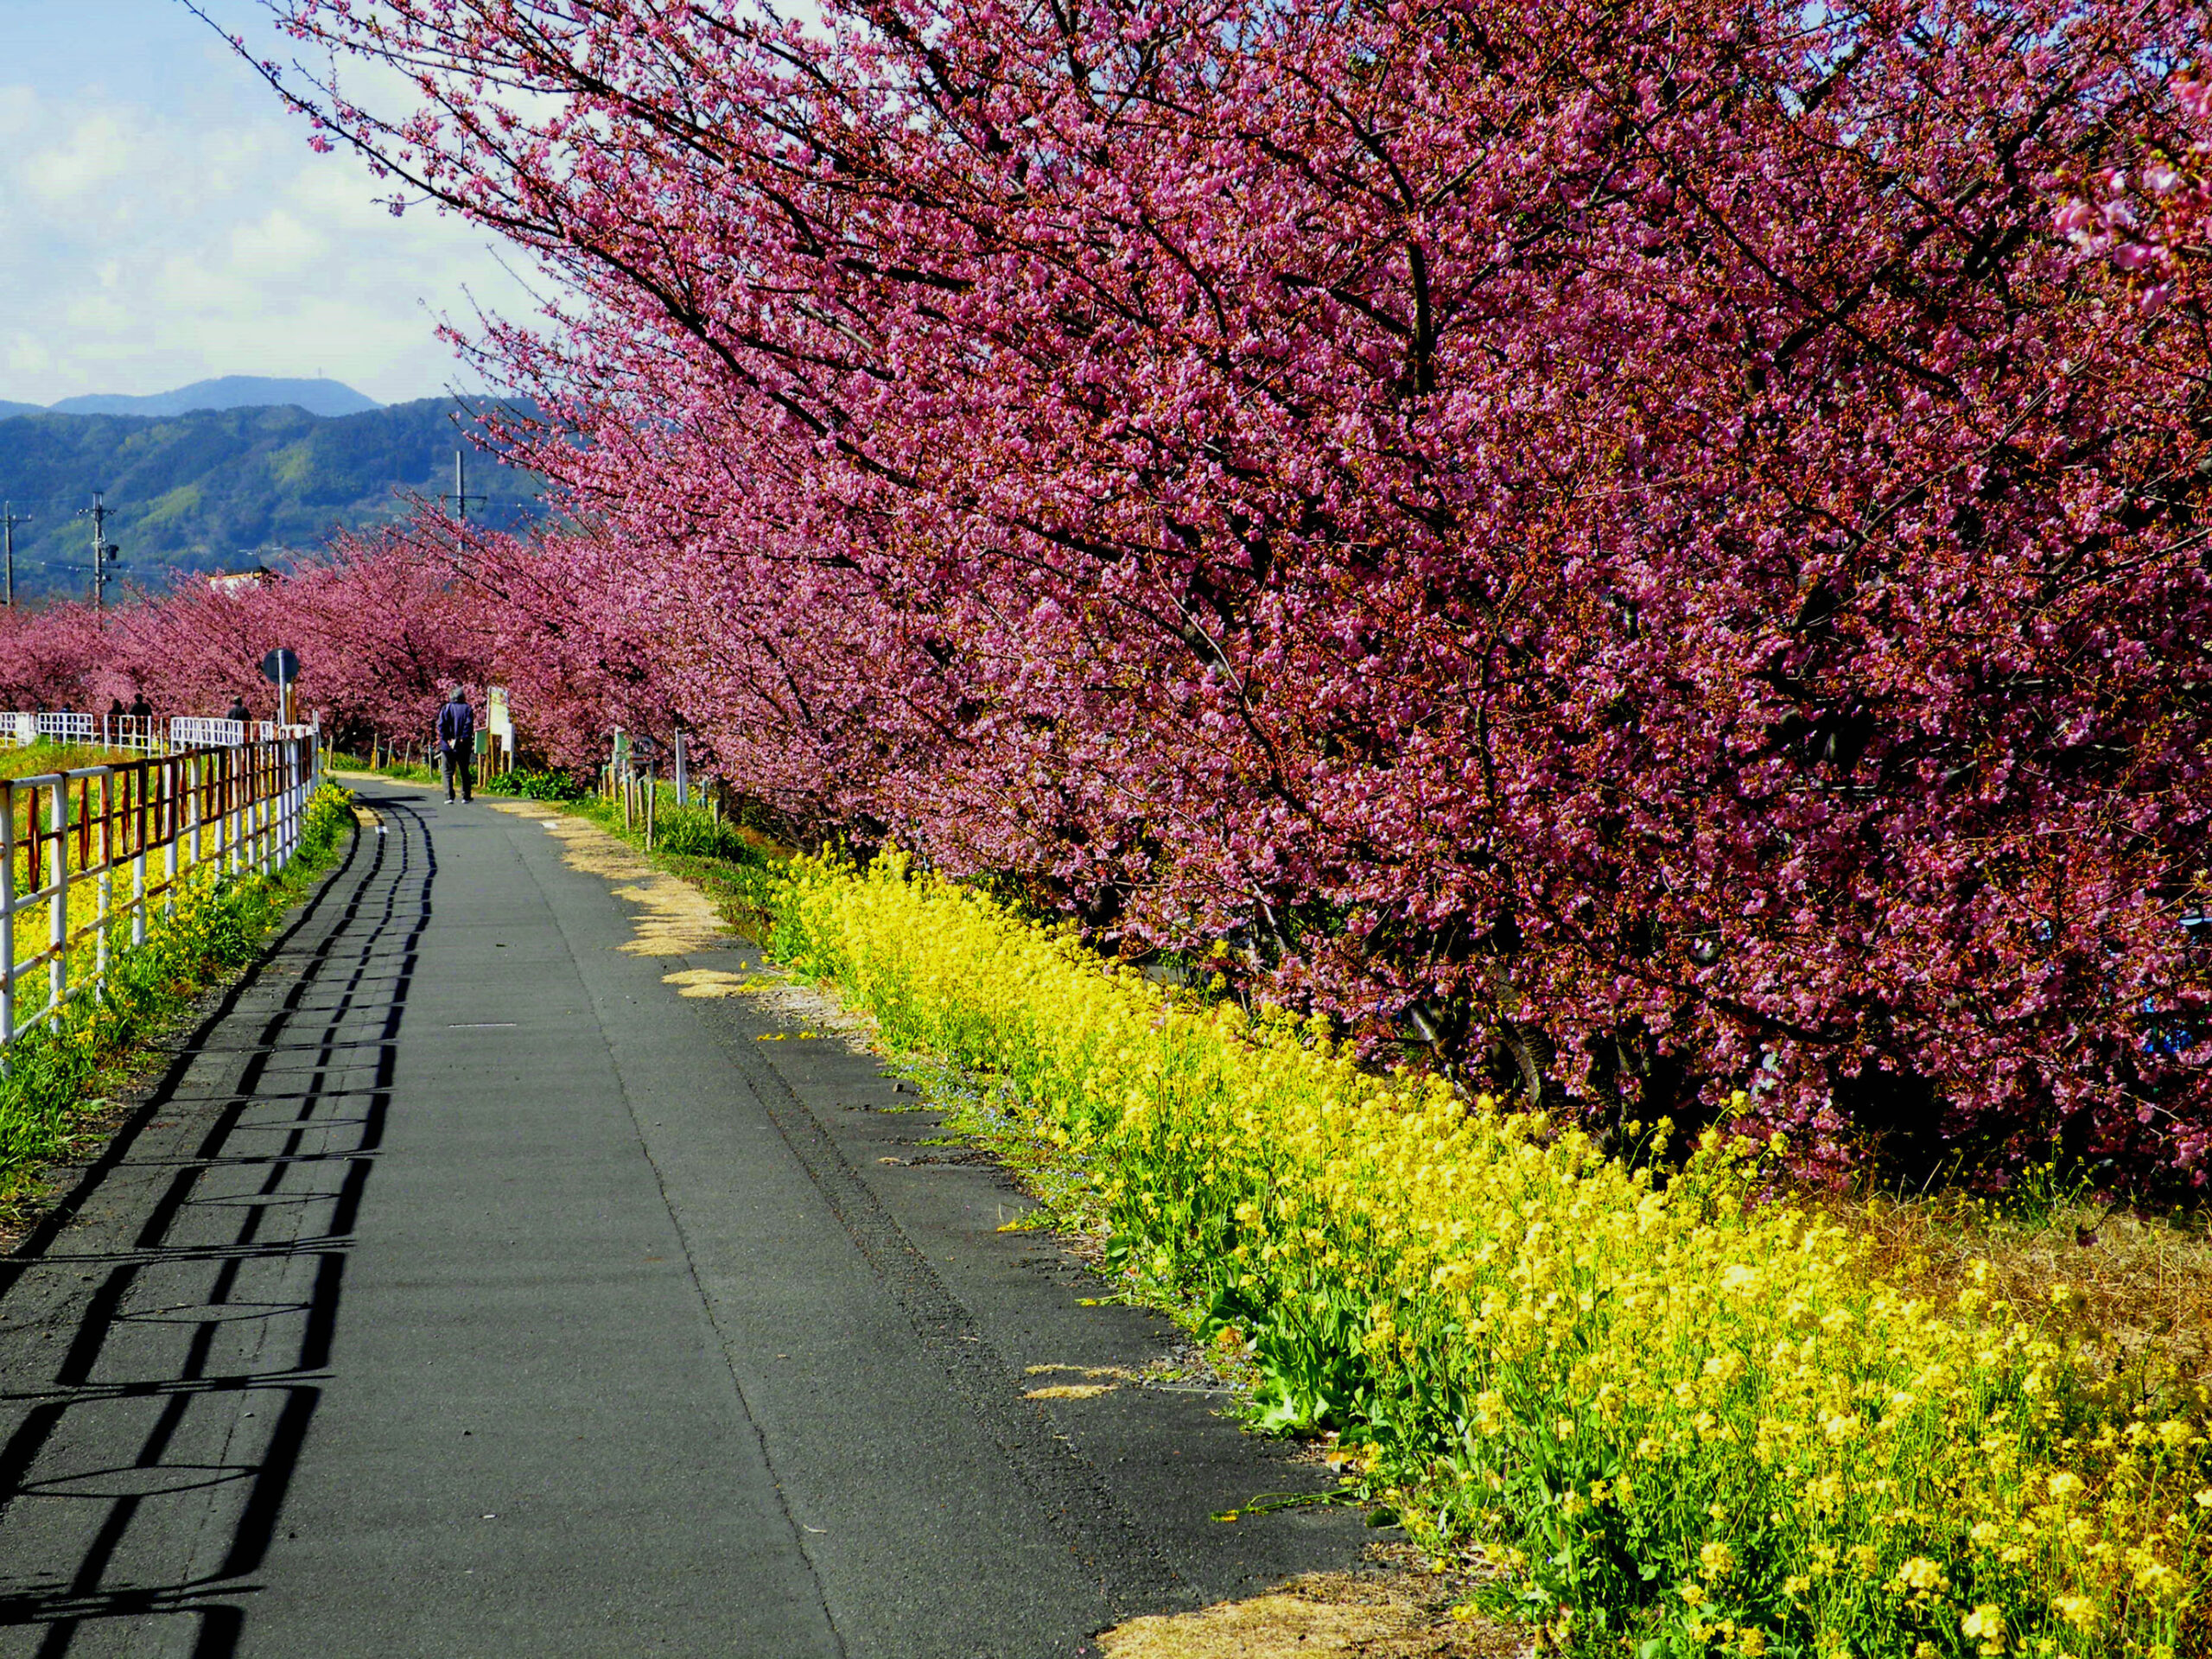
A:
224, 489
231, 391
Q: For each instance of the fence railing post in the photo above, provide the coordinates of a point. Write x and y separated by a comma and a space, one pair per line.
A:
137, 777
170, 829
104, 884
7, 912
234, 814
57, 908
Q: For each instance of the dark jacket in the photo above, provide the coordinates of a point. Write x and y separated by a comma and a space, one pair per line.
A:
457, 727
238, 711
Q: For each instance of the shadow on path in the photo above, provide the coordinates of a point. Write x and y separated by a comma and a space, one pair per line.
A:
144, 1467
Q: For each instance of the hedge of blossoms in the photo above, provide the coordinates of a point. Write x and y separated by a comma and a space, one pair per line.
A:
1651, 548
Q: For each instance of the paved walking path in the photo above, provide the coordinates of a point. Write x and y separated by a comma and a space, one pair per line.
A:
462, 1290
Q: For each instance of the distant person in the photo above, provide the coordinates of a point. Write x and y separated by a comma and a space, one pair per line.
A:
457, 744
115, 708
238, 711
140, 708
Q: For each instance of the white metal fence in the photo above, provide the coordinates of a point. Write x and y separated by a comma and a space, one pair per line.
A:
192, 731
95, 850
139, 734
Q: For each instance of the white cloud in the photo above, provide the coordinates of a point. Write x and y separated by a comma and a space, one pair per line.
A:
18, 106
279, 243
146, 247
79, 172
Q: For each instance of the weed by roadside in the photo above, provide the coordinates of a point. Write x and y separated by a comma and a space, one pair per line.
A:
2129, 1291
1400, 1606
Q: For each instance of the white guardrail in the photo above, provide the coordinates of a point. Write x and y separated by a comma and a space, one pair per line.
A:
141, 733
93, 850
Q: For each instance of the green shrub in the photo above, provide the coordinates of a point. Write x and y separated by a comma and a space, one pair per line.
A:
693, 832
541, 784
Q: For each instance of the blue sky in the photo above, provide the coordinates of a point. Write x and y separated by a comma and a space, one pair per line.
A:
163, 220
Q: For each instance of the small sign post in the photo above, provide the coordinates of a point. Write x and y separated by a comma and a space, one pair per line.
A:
282, 667
499, 719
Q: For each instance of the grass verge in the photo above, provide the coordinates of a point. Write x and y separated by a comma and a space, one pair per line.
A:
53, 1072
44, 756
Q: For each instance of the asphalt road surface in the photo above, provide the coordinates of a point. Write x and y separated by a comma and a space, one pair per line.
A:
460, 1289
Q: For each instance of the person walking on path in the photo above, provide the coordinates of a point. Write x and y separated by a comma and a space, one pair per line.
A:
140, 708
457, 743
238, 711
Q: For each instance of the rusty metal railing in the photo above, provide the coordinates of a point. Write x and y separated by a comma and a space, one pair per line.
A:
103, 849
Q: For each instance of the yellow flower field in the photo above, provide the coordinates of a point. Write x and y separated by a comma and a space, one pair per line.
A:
1685, 1422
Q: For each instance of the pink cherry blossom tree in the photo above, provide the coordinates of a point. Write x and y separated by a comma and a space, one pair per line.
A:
381, 627
1651, 553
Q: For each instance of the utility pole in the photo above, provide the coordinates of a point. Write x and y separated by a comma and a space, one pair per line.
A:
11, 518
103, 551
460, 497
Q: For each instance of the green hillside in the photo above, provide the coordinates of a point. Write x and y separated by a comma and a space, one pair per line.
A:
223, 489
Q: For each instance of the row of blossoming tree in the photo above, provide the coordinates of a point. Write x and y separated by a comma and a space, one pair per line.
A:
1649, 553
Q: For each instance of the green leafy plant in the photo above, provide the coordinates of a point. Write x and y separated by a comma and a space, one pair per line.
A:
540, 784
